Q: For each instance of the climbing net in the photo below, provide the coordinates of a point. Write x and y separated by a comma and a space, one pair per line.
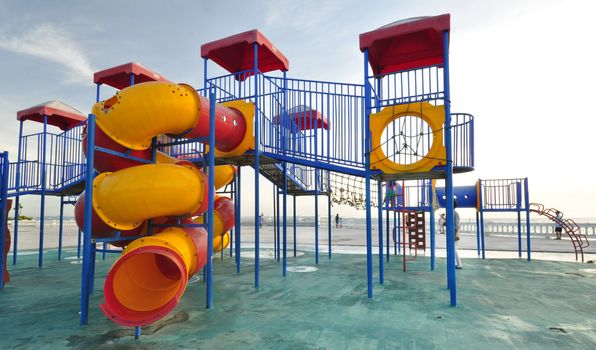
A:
351, 190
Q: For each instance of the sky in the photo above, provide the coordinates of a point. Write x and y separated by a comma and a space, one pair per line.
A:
521, 67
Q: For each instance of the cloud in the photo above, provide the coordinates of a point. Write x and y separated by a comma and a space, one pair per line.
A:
304, 15
53, 44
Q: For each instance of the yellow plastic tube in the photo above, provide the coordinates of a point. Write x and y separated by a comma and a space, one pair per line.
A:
220, 243
133, 116
125, 198
151, 275
224, 174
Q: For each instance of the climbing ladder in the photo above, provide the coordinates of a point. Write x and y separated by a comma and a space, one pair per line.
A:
578, 239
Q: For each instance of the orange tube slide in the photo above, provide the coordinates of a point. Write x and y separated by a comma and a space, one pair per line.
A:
151, 275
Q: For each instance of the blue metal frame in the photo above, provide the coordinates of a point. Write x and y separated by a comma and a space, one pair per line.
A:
4, 164
367, 175
257, 161
449, 178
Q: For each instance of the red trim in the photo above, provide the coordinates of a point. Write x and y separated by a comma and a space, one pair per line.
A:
236, 53
406, 44
63, 119
119, 76
225, 207
124, 316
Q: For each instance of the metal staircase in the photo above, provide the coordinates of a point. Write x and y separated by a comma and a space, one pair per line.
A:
579, 240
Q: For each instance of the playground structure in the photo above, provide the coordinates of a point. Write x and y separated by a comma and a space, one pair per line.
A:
309, 138
572, 229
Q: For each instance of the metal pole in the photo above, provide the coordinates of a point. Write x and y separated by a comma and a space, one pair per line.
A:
274, 222
449, 178
380, 219
3, 214
478, 232
43, 191
294, 208
316, 216
210, 213
17, 197
481, 218
277, 225
285, 218
367, 174
257, 161
61, 227
329, 223
527, 204
237, 221
433, 230
518, 209
84, 308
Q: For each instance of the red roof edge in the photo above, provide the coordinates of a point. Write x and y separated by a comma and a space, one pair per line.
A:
119, 76
406, 44
236, 54
56, 116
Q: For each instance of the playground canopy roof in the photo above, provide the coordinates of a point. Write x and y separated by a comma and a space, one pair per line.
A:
305, 117
119, 76
236, 53
58, 114
407, 44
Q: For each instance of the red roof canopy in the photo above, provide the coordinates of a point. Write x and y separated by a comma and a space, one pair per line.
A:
305, 117
236, 53
406, 44
119, 76
58, 114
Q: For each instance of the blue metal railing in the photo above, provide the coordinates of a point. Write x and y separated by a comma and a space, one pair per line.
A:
501, 194
415, 85
64, 162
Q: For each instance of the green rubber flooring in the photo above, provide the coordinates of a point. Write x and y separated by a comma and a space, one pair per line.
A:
502, 304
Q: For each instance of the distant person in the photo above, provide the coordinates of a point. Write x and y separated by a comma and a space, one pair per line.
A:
442, 222
261, 217
558, 224
458, 264
337, 220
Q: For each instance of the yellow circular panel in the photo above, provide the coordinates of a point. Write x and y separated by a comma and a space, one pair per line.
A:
433, 116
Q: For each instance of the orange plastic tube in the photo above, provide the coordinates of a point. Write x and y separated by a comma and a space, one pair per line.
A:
147, 281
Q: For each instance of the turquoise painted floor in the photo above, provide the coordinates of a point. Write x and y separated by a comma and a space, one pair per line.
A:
503, 304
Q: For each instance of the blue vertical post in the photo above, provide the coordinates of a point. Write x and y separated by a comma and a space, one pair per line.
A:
316, 215
433, 230
527, 208
367, 174
518, 193
15, 234
97, 94
329, 222
294, 208
478, 232
3, 214
257, 162
449, 178
210, 213
43, 191
278, 225
380, 219
79, 233
481, 208
274, 222
61, 227
387, 237
237, 222
395, 223
285, 217
87, 254
285, 178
